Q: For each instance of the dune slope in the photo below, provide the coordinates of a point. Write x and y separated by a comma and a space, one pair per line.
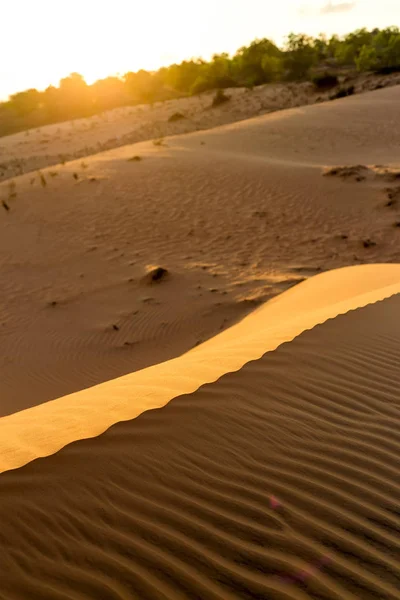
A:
259, 460
237, 215
45, 428
280, 480
39, 148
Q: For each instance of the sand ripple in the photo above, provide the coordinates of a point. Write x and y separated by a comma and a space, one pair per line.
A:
278, 481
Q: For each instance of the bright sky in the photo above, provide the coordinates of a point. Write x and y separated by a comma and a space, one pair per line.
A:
44, 40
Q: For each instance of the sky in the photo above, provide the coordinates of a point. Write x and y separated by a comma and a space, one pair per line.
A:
42, 41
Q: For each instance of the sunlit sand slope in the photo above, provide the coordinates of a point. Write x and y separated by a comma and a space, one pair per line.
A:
279, 480
46, 428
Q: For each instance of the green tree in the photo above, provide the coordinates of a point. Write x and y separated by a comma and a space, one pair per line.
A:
74, 96
350, 47
393, 51
321, 47
73, 83
248, 61
202, 84
300, 55
182, 77
25, 102
273, 68
51, 103
220, 71
366, 60
144, 86
332, 47
259, 62
387, 46
108, 93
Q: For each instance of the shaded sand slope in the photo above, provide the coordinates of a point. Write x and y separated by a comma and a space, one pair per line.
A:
237, 215
46, 428
51, 144
279, 481
357, 129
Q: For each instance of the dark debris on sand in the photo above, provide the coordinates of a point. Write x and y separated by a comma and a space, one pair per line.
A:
156, 275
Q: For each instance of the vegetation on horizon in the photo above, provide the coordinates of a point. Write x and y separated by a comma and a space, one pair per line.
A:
301, 58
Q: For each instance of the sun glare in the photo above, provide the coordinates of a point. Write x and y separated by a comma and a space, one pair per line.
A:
98, 39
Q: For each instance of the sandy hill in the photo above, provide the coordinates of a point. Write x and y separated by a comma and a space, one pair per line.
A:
51, 144
270, 468
278, 479
235, 215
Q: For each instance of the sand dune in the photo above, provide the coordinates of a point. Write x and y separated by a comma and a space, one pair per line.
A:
280, 480
39, 148
270, 468
237, 215
44, 429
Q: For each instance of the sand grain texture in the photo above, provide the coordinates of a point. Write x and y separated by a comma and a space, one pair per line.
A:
48, 427
280, 480
235, 222
166, 432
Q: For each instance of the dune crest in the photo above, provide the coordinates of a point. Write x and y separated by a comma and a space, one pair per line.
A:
45, 429
236, 215
279, 480
270, 468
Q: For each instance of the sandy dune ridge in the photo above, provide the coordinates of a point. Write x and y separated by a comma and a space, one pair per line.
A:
280, 480
49, 145
232, 447
237, 215
48, 427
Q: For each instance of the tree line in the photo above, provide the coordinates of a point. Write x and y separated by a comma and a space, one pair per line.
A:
302, 57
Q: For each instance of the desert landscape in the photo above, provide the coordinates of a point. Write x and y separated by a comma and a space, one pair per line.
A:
230, 217
49, 145
200, 350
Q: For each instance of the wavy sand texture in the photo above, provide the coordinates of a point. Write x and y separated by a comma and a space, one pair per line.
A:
278, 481
46, 428
235, 219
